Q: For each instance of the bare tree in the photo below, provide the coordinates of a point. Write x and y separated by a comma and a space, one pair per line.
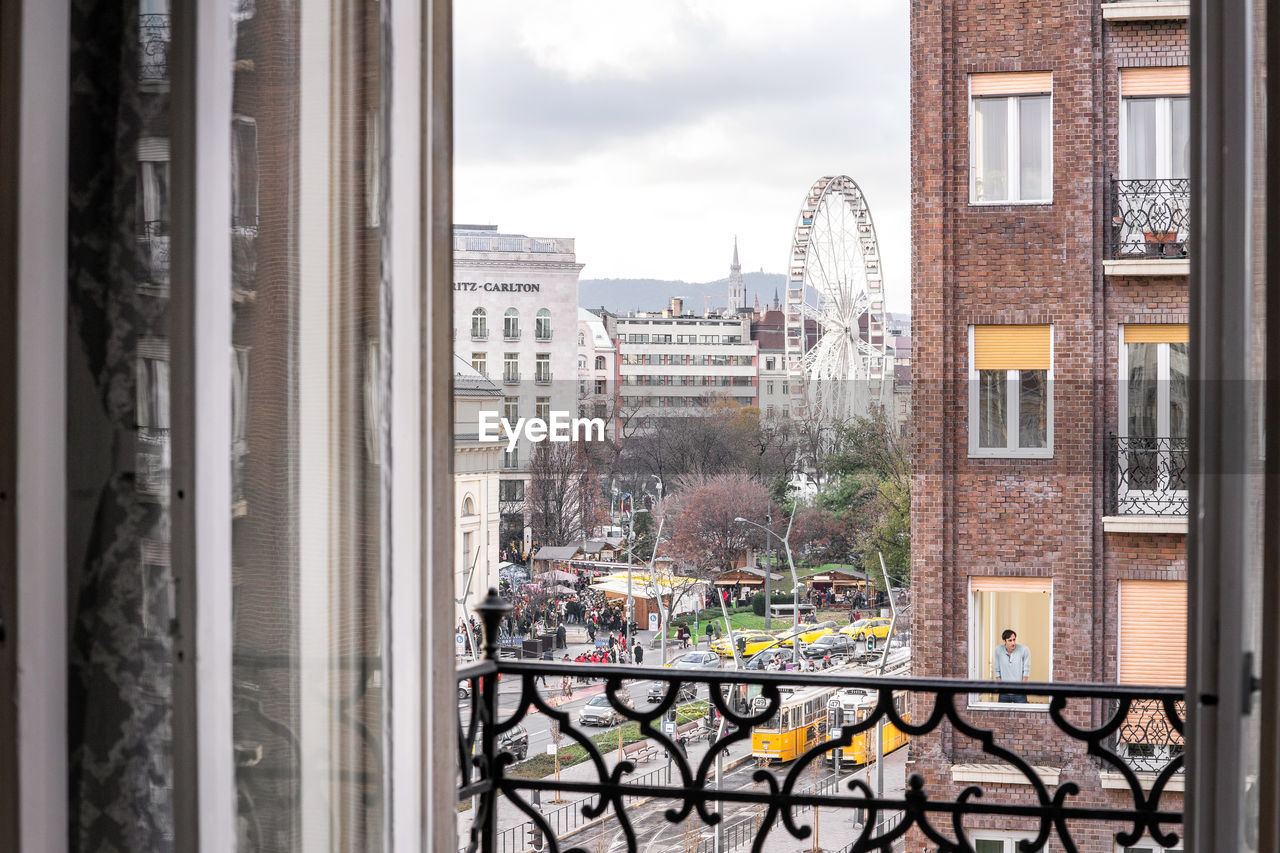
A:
564, 495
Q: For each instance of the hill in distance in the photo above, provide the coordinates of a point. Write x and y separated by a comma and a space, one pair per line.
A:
624, 295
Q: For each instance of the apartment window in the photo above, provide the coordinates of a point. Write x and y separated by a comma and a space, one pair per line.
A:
1011, 137
479, 363
542, 325
511, 408
542, 408
1024, 605
511, 324
1155, 122
1153, 632
479, 324
511, 366
600, 362
1154, 406
466, 549
511, 458
542, 367
999, 842
582, 339
511, 490
768, 387
768, 363
600, 384
1010, 391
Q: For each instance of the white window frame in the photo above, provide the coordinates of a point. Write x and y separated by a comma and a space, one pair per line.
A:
1009, 838
1013, 390
977, 655
1014, 165
1164, 136
1127, 498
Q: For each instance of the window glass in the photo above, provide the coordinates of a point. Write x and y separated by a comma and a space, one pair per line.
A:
307, 538
1180, 133
993, 415
1140, 138
991, 149
1035, 136
1033, 411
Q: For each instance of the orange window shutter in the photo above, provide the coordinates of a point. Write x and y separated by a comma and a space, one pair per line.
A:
1138, 82
1153, 632
990, 584
1157, 333
1012, 347
1011, 83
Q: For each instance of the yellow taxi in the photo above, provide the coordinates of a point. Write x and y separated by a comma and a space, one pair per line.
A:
877, 627
806, 637
755, 640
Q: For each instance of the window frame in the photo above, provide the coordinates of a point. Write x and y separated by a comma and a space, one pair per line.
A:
1145, 496
1013, 130
977, 655
1013, 391
1009, 838
1163, 134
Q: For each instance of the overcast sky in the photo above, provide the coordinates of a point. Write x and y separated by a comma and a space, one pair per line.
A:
654, 131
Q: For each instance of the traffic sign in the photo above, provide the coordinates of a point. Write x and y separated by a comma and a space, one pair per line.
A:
668, 727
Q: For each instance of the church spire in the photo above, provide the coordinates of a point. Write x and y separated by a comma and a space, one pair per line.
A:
737, 293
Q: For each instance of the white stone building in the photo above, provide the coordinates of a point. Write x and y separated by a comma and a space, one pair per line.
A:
515, 319
597, 366
475, 487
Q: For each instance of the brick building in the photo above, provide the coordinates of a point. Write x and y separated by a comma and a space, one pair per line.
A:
1049, 286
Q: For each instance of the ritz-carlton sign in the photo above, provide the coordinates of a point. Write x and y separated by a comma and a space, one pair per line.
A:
497, 287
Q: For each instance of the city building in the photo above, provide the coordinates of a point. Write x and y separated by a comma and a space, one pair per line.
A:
769, 333
597, 367
672, 362
737, 301
476, 467
1049, 364
515, 316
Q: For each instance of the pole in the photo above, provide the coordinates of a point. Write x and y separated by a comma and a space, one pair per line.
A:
768, 587
884, 659
719, 831
795, 588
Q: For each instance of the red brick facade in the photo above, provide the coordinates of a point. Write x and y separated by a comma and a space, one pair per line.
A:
1024, 263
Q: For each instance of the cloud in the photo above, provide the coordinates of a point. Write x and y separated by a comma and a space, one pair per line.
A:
654, 132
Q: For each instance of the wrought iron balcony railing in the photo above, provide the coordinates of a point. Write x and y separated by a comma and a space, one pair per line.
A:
1149, 219
479, 334
153, 48
1146, 476
1114, 729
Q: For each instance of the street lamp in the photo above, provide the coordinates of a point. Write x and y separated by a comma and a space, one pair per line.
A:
795, 581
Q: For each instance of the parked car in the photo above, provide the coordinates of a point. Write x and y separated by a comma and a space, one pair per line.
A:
515, 741
877, 627
835, 645
598, 712
754, 640
688, 692
697, 660
464, 690
805, 636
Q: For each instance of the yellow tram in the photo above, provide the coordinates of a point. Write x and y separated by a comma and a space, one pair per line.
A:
802, 719
856, 705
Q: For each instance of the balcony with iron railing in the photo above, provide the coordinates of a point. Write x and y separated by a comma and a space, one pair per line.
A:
510, 377
542, 377
511, 334
1148, 231
1123, 741
1146, 484
479, 333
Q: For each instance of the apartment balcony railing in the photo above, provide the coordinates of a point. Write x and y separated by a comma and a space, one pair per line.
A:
542, 335
1089, 719
153, 43
542, 377
511, 334
1146, 476
1149, 219
479, 334
511, 377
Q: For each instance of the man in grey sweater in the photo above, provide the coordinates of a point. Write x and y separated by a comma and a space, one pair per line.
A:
1011, 661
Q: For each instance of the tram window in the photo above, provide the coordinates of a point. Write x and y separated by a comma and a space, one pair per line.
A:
786, 720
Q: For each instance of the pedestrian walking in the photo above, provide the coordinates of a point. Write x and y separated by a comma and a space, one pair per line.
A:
638, 652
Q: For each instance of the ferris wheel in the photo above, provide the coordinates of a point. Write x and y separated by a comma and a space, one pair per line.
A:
835, 347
